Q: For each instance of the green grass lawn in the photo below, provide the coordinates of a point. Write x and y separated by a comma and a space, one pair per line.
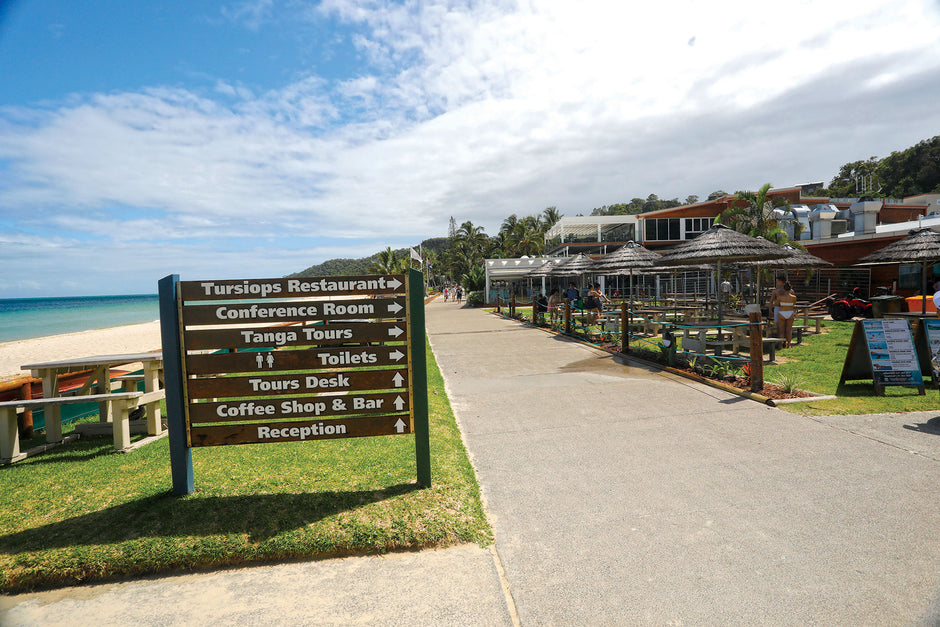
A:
816, 365
81, 513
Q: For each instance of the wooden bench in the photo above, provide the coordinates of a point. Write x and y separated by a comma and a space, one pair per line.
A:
817, 319
122, 402
771, 344
799, 330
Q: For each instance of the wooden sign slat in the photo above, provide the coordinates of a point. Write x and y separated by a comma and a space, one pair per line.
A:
312, 359
298, 407
306, 383
218, 435
312, 335
290, 288
294, 311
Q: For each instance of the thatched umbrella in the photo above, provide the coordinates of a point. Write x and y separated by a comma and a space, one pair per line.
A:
625, 259
575, 266
628, 257
796, 258
920, 246
543, 270
721, 244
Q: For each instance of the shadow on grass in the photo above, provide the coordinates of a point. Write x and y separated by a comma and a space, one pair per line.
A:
83, 449
260, 516
932, 426
856, 389
861, 388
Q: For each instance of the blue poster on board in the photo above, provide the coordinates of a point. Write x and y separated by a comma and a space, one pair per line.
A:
932, 327
893, 356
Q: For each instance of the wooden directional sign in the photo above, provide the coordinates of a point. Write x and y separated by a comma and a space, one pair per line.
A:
280, 360
299, 431
306, 383
240, 410
307, 359
294, 311
292, 288
281, 337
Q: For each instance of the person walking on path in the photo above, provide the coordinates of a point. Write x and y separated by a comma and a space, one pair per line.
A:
783, 303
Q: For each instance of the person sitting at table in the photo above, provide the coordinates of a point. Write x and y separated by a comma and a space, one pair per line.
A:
572, 295
783, 303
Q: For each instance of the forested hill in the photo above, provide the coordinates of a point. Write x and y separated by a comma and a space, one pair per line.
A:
341, 267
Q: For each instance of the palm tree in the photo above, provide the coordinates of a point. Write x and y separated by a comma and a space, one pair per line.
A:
509, 224
550, 215
386, 262
752, 213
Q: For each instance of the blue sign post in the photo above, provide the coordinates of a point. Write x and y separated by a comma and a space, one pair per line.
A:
181, 456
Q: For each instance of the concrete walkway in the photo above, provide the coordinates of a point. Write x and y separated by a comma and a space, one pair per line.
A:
619, 496
623, 496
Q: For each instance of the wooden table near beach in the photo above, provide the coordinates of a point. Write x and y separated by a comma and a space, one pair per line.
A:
101, 365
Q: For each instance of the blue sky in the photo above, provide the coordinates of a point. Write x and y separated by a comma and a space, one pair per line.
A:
254, 138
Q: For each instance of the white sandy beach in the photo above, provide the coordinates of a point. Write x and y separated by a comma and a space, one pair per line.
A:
131, 338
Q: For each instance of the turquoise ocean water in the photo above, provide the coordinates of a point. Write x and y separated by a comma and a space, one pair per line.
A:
22, 318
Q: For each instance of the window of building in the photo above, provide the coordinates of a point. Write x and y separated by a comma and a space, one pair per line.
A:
662, 229
696, 226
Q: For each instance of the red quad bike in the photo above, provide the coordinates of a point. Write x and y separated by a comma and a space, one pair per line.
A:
849, 307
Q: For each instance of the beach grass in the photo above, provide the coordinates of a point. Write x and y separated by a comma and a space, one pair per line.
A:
81, 513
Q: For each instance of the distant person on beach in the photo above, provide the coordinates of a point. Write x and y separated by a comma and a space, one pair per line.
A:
458, 293
783, 303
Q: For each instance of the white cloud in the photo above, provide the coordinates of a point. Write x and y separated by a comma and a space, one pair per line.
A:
478, 110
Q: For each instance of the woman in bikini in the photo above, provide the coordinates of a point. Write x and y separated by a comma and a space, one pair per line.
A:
595, 303
783, 302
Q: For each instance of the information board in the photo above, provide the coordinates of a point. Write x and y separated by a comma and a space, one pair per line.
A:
295, 360
927, 343
883, 350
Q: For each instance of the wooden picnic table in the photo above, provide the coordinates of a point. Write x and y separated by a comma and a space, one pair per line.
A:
100, 381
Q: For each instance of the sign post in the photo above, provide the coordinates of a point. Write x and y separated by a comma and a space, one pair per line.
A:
282, 360
181, 456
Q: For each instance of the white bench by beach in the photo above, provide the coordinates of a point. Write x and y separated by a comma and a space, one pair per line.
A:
120, 405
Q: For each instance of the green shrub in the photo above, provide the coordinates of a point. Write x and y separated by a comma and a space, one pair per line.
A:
475, 299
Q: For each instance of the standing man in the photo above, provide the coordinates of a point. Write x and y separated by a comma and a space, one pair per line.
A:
726, 291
